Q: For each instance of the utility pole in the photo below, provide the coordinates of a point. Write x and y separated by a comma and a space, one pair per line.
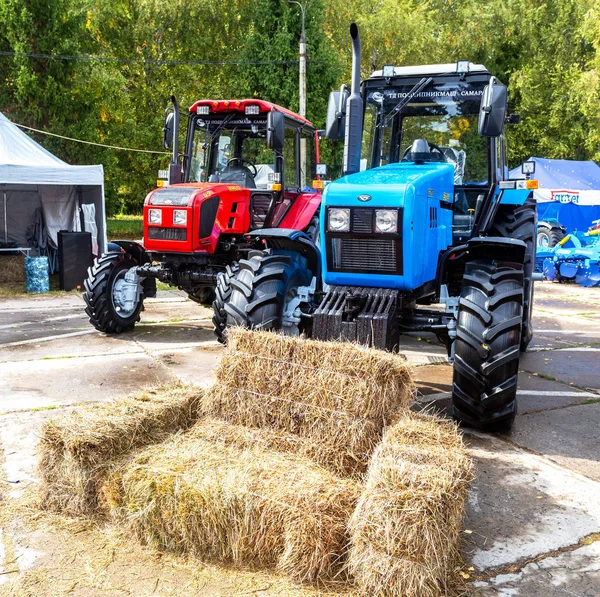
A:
302, 84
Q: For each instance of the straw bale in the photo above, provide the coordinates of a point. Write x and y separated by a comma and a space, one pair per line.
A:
76, 449
406, 527
220, 493
12, 270
335, 459
333, 392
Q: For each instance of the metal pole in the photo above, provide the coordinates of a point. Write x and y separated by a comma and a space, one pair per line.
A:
5, 221
303, 68
302, 86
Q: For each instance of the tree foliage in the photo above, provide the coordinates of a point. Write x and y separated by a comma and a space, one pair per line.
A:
548, 51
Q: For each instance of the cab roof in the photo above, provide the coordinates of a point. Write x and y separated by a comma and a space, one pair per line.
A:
217, 106
431, 69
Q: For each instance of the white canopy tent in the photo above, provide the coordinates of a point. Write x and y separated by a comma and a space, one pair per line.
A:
71, 197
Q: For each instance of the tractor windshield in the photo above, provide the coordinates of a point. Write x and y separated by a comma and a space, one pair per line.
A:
232, 149
445, 114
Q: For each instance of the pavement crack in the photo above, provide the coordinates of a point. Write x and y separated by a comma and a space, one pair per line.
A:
516, 567
563, 383
155, 358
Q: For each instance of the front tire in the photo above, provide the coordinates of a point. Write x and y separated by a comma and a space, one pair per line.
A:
263, 289
222, 295
105, 313
486, 349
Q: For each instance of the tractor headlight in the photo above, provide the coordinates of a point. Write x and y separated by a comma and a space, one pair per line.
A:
180, 217
155, 216
339, 220
386, 221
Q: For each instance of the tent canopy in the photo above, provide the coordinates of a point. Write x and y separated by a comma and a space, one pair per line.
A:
564, 174
569, 192
31, 177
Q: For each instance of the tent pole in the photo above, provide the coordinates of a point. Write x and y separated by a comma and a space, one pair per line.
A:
5, 221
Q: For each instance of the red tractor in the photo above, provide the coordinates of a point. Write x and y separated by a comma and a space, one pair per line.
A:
247, 165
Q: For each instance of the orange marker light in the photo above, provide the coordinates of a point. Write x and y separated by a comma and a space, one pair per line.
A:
532, 184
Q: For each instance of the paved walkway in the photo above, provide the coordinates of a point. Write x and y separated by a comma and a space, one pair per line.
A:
533, 523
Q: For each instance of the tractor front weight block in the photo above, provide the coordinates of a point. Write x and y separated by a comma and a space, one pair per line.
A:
368, 316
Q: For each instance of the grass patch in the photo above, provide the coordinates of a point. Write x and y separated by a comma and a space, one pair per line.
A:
591, 401
10, 290
548, 377
125, 227
49, 407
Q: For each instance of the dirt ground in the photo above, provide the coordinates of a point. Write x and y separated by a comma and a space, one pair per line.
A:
533, 521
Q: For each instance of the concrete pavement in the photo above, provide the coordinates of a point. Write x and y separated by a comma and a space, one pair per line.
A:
533, 521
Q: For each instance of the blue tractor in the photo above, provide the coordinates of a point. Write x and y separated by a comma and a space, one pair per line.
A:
424, 214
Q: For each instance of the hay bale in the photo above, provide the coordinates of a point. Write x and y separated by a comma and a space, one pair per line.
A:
76, 449
331, 392
12, 270
406, 527
216, 492
334, 458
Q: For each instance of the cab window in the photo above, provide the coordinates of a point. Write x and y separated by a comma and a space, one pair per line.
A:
289, 156
308, 170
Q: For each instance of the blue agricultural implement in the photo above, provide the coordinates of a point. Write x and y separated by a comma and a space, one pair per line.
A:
575, 259
422, 216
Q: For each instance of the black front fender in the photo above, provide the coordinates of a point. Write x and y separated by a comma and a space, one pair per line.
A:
139, 254
287, 239
133, 248
453, 260
496, 247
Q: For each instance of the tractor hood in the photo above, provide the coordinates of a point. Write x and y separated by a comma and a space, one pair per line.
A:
182, 194
405, 258
389, 186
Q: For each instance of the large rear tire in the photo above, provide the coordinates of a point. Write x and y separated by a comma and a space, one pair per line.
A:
265, 285
105, 313
222, 295
521, 223
486, 349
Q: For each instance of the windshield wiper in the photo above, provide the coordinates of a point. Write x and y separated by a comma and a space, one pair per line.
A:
402, 103
211, 136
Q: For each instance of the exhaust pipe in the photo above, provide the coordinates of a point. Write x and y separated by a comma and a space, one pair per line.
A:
354, 110
174, 166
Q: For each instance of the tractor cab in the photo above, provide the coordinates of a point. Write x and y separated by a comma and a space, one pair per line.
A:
263, 153
430, 114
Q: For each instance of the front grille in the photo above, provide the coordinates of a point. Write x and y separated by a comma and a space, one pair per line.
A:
155, 233
362, 220
208, 214
366, 255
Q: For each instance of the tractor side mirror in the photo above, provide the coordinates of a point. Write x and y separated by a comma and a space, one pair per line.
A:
275, 130
492, 114
168, 130
335, 129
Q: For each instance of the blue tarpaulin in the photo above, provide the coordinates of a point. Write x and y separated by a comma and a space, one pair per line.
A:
569, 192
